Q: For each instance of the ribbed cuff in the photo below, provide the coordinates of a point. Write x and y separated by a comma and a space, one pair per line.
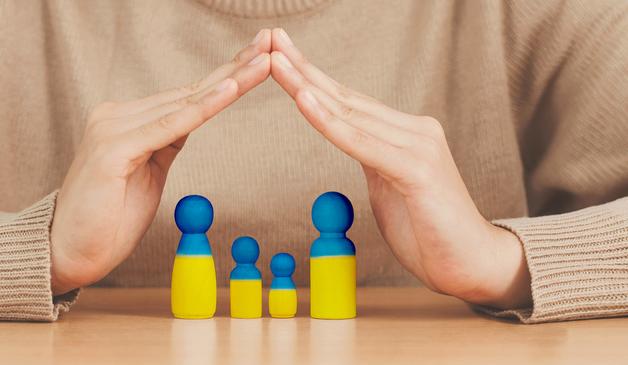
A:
263, 8
25, 292
578, 263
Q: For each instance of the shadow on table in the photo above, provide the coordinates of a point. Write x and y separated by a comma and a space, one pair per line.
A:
405, 312
125, 311
393, 313
376, 304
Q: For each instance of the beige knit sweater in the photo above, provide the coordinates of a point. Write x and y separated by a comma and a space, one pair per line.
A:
532, 95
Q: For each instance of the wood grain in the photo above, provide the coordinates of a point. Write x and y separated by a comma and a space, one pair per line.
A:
394, 326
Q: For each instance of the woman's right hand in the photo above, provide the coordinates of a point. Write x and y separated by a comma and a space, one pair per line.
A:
113, 187
420, 202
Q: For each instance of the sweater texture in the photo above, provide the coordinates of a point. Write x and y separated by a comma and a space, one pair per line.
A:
532, 96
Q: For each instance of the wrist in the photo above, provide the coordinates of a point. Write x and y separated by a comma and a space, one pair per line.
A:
58, 285
61, 278
508, 284
60, 281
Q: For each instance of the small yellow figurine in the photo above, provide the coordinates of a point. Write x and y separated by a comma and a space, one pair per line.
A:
245, 281
193, 287
332, 259
282, 297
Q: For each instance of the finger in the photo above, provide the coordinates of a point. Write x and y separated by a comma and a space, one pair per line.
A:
259, 45
367, 149
246, 79
247, 76
292, 81
254, 74
158, 134
162, 132
283, 44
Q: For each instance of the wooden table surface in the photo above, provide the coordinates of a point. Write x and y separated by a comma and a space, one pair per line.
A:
394, 326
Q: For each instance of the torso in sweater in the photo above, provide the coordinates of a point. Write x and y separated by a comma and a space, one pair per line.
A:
507, 81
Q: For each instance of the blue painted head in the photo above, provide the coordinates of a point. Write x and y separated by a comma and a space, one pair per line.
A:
194, 214
282, 264
332, 212
245, 250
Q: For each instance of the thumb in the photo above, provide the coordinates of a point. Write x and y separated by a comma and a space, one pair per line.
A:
165, 156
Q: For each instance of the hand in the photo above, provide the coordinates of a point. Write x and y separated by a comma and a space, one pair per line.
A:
113, 187
419, 200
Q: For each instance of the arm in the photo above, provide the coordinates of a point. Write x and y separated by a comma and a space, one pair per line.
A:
25, 291
421, 204
578, 262
111, 192
425, 214
575, 149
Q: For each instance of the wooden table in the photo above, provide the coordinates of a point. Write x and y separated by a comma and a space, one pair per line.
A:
395, 326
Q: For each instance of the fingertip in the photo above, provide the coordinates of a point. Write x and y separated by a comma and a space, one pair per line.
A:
252, 75
264, 63
279, 59
307, 102
265, 43
224, 89
232, 84
305, 97
274, 64
316, 115
259, 59
275, 33
273, 56
280, 39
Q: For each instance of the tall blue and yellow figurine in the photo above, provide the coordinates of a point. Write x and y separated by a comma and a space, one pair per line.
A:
332, 259
193, 290
245, 281
282, 297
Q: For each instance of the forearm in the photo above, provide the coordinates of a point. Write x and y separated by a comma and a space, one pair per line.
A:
578, 263
25, 291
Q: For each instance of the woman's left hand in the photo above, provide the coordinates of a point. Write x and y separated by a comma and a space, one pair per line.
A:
421, 204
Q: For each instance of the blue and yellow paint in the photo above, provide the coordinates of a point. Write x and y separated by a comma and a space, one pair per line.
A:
245, 280
193, 286
282, 297
332, 259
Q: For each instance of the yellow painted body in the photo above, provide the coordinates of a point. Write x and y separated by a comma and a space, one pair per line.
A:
282, 303
332, 287
246, 298
193, 290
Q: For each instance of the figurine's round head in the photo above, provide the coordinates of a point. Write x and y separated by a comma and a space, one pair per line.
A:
332, 212
282, 264
194, 214
245, 250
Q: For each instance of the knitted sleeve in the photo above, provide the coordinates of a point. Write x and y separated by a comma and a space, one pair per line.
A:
578, 263
575, 152
25, 292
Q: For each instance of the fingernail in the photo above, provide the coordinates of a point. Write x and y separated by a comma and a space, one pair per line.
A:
283, 60
285, 36
259, 58
309, 98
258, 37
223, 85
